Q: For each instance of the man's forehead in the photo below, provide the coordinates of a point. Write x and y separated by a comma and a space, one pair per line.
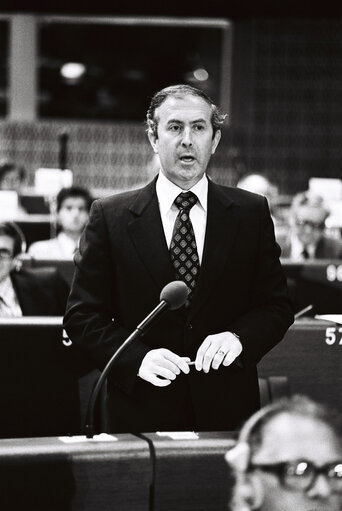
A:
288, 437
6, 241
184, 107
312, 213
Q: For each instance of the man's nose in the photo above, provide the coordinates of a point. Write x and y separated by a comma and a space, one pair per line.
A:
186, 137
321, 488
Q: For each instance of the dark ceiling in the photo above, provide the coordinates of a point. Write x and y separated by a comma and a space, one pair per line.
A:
199, 8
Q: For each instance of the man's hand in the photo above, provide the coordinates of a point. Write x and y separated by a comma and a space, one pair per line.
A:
218, 349
161, 366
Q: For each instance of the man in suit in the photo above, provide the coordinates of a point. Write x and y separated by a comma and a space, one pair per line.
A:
40, 292
306, 238
238, 307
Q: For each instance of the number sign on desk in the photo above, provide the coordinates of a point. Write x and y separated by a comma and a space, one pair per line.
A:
310, 355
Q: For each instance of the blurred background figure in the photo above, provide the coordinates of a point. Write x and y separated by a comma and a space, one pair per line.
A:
257, 183
73, 206
288, 457
12, 176
306, 238
26, 292
13, 179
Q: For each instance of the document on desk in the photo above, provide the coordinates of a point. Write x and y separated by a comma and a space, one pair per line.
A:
335, 318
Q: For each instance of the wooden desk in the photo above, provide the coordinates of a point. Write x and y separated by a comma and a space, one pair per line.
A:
191, 475
48, 474
45, 381
310, 355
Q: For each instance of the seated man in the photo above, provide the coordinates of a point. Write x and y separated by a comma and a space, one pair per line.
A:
13, 178
306, 239
288, 458
27, 292
73, 205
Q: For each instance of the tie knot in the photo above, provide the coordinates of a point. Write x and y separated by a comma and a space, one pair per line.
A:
185, 200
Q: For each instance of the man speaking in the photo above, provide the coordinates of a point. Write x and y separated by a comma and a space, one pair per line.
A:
220, 242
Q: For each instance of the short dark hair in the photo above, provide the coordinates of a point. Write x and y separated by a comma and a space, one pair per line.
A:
217, 119
12, 230
7, 166
74, 191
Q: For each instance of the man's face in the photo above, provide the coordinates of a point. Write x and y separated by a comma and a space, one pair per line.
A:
11, 181
185, 139
309, 224
73, 214
288, 438
6, 256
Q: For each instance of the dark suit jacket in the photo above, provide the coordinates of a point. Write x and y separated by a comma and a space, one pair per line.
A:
122, 266
40, 292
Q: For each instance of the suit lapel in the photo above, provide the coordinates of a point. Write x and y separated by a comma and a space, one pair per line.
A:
221, 229
147, 233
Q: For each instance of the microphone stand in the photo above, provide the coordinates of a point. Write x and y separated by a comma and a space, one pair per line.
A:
139, 331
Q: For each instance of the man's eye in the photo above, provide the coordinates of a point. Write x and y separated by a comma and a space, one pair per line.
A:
199, 127
174, 127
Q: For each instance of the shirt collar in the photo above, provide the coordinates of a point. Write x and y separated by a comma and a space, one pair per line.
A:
168, 191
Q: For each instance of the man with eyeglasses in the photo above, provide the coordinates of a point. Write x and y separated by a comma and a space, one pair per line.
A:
39, 292
307, 238
288, 458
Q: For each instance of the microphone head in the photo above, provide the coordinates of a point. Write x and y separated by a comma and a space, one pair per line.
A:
175, 294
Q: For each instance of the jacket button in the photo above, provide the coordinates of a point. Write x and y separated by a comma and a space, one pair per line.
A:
189, 326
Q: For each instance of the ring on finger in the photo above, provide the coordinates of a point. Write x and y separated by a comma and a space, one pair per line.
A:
221, 352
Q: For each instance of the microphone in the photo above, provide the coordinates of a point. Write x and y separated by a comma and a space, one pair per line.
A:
172, 296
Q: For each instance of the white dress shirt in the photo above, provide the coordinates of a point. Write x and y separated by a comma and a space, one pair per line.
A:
9, 305
167, 192
297, 248
61, 247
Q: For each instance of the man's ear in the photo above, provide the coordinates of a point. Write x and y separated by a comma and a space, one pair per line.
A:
248, 494
238, 456
153, 140
17, 263
215, 141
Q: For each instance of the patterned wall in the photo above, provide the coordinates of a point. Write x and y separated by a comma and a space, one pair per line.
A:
292, 125
286, 118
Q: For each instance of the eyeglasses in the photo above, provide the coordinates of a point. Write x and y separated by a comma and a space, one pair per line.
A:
5, 254
312, 225
302, 474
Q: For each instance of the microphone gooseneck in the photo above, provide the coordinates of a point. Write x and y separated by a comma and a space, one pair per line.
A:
172, 296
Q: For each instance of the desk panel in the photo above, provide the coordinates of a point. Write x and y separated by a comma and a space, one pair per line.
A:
310, 355
191, 475
46, 474
45, 381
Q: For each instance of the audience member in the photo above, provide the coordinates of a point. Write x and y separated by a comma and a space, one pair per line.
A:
73, 205
12, 178
288, 458
257, 183
27, 292
306, 238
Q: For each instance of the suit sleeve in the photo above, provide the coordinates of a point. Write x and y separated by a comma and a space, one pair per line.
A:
271, 311
89, 319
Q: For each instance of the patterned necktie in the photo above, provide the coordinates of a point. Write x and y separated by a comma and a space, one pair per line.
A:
183, 249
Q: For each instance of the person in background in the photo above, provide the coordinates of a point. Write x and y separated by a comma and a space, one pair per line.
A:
27, 292
288, 457
182, 226
13, 178
73, 206
306, 238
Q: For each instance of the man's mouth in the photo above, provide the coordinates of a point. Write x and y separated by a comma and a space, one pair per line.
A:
187, 158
